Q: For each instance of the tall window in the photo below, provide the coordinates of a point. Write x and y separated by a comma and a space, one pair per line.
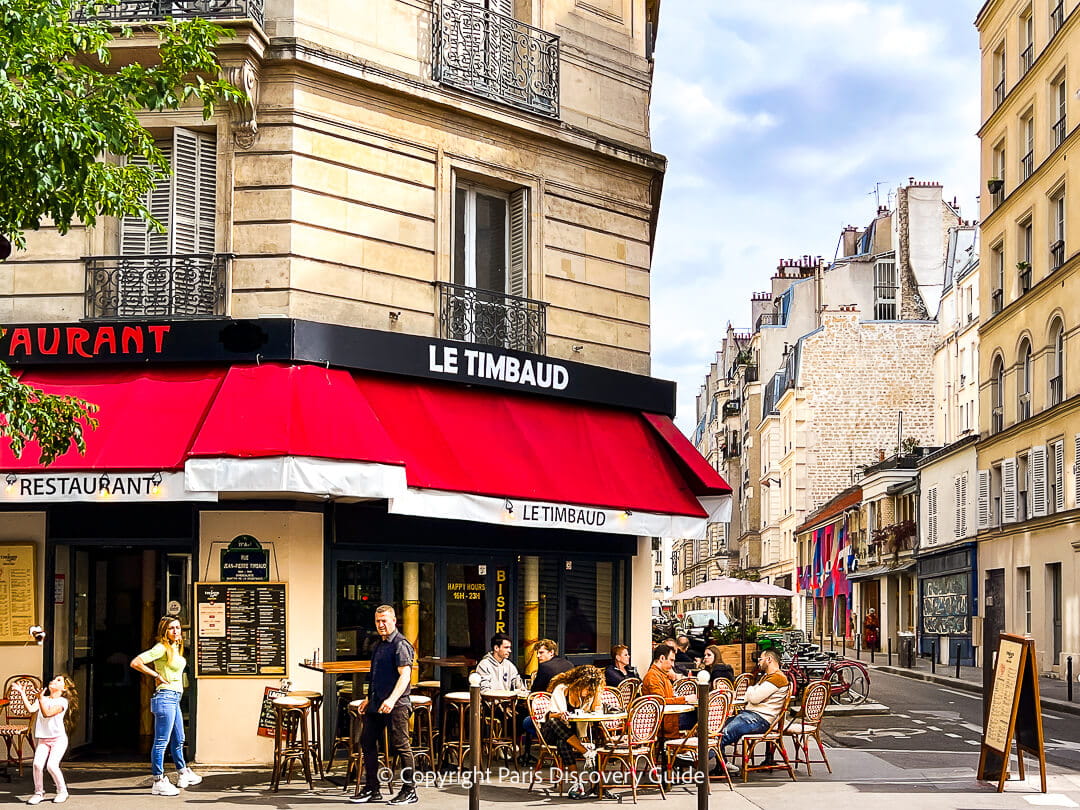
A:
1023, 485
1027, 136
885, 290
482, 238
999, 74
1057, 363
1024, 576
1023, 388
1058, 100
999, 168
1057, 16
1023, 265
1027, 41
997, 279
1055, 488
1057, 229
997, 396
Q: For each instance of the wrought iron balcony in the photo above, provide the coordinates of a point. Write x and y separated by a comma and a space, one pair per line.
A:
492, 318
1056, 392
1059, 132
135, 11
1057, 17
1027, 164
999, 93
1057, 254
1026, 58
1023, 277
769, 319
177, 286
491, 55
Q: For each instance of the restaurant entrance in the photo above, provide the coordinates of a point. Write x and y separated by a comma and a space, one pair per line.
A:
105, 609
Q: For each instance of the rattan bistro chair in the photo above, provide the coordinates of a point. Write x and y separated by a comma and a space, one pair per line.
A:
643, 722
629, 688
684, 687
539, 706
718, 709
807, 724
773, 740
742, 683
16, 728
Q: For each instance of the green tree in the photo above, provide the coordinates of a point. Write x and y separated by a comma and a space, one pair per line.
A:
69, 119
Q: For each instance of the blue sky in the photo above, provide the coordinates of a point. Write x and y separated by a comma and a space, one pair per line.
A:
778, 118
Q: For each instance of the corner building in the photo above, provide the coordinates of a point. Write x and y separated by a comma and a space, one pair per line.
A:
393, 347
1028, 478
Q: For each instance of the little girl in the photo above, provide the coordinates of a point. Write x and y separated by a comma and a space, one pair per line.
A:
56, 710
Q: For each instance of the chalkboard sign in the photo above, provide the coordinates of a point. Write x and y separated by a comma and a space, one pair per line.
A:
240, 629
267, 723
1014, 712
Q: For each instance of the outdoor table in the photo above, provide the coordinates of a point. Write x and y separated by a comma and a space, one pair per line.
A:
597, 717
358, 669
447, 662
679, 708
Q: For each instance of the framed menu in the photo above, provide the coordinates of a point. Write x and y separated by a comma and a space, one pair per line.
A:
18, 592
240, 629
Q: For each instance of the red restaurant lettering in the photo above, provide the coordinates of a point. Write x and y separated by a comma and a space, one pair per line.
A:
88, 342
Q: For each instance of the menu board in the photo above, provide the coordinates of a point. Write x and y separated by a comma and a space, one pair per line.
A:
18, 610
1006, 679
240, 629
267, 721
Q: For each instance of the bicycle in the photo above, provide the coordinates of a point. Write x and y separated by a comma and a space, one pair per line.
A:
849, 680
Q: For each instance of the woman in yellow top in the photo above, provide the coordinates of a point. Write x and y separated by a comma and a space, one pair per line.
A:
165, 663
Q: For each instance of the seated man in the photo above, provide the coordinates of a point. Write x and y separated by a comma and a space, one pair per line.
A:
551, 664
684, 661
619, 669
657, 681
764, 702
496, 670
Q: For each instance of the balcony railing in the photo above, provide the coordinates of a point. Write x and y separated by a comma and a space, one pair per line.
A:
997, 419
1027, 165
1056, 391
1024, 277
133, 11
1059, 132
177, 286
999, 93
492, 318
769, 319
491, 55
1057, 17
1057, 254
1026, 57
996, 301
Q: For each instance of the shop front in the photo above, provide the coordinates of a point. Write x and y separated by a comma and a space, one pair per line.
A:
272, 482
947, 603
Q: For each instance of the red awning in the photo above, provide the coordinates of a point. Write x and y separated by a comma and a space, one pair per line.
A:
428, 447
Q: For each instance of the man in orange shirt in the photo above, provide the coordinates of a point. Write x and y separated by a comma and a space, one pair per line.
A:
657, 681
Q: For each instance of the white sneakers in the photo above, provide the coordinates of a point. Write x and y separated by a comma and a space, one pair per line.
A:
37, 798
185, 779
163, 787
59, 798
188, 778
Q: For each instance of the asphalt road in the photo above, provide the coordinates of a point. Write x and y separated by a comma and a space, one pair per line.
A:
931, 726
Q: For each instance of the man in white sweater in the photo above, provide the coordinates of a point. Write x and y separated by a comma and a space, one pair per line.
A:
496, 670
764, 702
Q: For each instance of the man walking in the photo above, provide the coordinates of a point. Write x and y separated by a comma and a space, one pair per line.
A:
387, 707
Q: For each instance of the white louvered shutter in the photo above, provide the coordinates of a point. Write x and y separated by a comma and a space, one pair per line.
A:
518, 277
206, 241
1076, 471
502, 6
958, 510
931, 515
1038, 481
984, 499
962, 505
1059, 476
1008, 490
159, 242
135, 231
194, 192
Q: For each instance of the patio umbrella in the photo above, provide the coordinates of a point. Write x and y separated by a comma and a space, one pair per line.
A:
737, 588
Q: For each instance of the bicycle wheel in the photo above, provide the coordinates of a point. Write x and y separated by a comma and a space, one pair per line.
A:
850, 684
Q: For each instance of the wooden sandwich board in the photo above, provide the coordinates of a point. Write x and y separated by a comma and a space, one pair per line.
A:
1013, 714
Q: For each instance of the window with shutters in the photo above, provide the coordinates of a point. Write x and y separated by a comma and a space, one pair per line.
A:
1023, 479
984, 517
1008, 490
1055, 490
486, 301
932, 515
173, 272
885, 290
1038, 481
960, 500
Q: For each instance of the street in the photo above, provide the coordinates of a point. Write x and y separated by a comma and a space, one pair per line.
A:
932, 726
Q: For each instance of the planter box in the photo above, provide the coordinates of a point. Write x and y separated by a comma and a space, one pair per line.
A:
729, 654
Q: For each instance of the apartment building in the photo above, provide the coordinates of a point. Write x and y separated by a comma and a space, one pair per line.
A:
1028, 487
394, 344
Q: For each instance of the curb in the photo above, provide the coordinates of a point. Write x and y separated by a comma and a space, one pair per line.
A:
969, 686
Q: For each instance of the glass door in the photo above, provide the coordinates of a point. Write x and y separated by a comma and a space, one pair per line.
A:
81, 642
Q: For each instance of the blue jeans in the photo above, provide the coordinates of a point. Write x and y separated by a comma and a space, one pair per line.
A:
745, 722
168, 731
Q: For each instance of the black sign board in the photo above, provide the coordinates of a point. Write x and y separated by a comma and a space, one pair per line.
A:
1014, 712
240, 629
245, 560
267, 723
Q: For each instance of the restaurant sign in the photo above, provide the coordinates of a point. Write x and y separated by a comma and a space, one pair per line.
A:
102, 487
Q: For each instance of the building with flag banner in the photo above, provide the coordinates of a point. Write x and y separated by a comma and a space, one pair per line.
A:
826, 556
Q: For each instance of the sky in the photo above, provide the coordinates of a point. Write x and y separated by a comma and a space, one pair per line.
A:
781, 120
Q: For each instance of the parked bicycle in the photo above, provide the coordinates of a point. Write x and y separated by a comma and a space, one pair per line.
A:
849, 680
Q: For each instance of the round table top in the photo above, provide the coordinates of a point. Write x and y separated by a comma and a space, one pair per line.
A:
419, 700
523, 693
457, 696
500, 694
304, 693
595, 717
679, 708
291, 701
429, 684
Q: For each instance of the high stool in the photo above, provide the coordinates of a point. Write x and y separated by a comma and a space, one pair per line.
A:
423, 742
455, 709
316, 699
292, 716
499, 719
342, 738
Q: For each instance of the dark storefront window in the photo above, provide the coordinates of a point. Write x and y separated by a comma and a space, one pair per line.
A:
359, 592
466, 611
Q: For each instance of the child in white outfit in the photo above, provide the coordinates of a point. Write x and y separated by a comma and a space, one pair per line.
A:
56, 708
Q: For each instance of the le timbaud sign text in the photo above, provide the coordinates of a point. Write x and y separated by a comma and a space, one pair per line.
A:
481, 364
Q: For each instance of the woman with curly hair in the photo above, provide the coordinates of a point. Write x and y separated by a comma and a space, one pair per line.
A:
577, 689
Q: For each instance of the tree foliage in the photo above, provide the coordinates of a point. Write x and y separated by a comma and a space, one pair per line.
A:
65, 118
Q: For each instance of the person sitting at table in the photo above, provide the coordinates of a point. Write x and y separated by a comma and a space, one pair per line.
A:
496, 670
551, 664
716, 668
657, 681
576, 690
387, 709
619, 669
764, 702
684, 661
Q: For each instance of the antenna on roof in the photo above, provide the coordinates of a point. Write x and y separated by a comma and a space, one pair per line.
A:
877, 192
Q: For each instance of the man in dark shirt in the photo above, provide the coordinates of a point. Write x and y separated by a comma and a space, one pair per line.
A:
551, 664
387, 707
684, 661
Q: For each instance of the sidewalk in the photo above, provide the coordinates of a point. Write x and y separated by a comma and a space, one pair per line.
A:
858, 780
1052, 691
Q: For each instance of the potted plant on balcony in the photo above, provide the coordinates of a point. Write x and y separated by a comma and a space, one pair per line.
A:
1023, 266
994, 185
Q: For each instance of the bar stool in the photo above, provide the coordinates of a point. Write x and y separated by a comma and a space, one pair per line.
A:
455, 708
423, 742
292, 716
316, 699
499, 718
342, 734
